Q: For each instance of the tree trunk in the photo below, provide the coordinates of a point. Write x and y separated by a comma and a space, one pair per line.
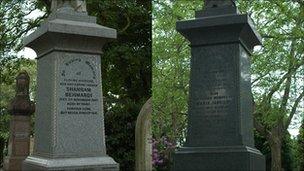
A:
2, 146
276, 157
174, 127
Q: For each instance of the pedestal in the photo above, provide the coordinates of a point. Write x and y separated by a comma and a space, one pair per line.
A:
19, 142
69, 126
104, 163
234, 158
220, 124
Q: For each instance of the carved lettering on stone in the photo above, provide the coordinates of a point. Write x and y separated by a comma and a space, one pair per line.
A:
78, 85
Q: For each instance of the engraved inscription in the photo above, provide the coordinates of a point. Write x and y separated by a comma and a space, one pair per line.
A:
215, 81
21, 135
215, 103
78, 87
213, 96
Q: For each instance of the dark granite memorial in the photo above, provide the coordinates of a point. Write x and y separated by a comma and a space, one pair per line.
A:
220, 125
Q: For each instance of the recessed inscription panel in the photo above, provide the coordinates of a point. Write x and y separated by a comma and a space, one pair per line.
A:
79, 114
215, 81
78, 87
213, 97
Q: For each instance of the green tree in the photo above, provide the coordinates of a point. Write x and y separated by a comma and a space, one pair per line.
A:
15, 23
170, 69
277, 69
171, 60
126, 72
300, 147
9, 71
288, 153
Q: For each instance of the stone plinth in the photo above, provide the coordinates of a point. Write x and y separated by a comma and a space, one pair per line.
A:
20, 124
220, 125
19, 142
69, 127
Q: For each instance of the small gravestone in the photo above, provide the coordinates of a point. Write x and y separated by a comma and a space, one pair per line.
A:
143, 137
220, 125
69, 125
20, 124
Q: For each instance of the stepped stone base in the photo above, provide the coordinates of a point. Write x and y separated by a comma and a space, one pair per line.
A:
72, 164
240, 158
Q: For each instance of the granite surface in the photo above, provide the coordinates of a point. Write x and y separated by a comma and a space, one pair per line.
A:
220, 125
69, 126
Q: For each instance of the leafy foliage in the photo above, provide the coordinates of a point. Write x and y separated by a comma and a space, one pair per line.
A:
16, 23
278, 66
278, 70
171, 59
9, 70
289, 161
300, 147
126, 72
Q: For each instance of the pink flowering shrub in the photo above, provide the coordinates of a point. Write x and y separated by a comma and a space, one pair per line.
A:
161, 153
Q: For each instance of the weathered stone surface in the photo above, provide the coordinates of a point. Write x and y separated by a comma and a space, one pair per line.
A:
20, 109
236, 158
220, 126
69, 127
217, 7
104, 163
218, 3
143, 137
21, 104
215, 94
19, 142
75, 103
77, 5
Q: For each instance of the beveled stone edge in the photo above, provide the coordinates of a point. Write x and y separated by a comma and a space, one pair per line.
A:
248, 35
212, 21
70, 162
75, 16
218, 149
58, 49
55, 26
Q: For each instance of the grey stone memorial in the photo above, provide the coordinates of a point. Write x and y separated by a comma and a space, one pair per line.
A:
69, 126
220, 124
143, 136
